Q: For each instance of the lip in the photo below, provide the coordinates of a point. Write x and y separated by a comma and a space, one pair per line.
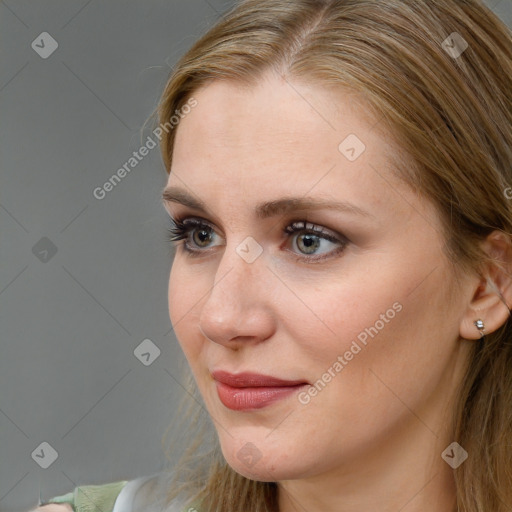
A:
249, 379
245, 391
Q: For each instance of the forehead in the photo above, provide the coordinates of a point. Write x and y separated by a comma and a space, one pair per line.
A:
275, 113
277, 138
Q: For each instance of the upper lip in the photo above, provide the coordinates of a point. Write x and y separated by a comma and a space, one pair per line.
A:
249, 379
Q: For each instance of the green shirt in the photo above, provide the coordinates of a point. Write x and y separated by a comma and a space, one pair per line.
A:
100, 498
92, 498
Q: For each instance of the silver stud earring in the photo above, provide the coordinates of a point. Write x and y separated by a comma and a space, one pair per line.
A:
480, 326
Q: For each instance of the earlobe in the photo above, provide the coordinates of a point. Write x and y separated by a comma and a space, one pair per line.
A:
489, 308
484, 316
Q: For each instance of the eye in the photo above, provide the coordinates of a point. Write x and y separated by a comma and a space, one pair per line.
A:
199, 231
308, 238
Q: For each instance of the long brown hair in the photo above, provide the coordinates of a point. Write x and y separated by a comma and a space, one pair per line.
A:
438, 75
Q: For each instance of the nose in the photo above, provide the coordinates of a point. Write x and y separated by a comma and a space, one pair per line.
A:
238, 309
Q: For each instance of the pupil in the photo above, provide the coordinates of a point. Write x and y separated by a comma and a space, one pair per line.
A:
310, 241
203, 235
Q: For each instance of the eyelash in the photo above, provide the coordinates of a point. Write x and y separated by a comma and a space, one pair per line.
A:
182, 226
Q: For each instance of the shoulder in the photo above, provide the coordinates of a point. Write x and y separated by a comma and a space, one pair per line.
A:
146, 493
88, 497
149, 494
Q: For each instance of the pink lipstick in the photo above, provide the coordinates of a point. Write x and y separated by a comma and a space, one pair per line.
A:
244, 391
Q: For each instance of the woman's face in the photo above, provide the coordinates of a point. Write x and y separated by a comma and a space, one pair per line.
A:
357, 306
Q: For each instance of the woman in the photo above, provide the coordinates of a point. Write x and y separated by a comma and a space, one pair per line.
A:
339, 186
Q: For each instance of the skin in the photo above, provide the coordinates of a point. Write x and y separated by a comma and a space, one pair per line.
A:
372, 438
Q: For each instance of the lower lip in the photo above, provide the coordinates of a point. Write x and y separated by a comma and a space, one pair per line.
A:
241, 399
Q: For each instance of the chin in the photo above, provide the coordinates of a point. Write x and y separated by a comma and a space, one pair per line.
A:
253, 474
262, 472
247, 460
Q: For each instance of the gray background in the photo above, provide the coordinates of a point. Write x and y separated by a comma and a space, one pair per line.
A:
71, 319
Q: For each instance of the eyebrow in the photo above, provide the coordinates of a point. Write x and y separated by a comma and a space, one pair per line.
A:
272, 208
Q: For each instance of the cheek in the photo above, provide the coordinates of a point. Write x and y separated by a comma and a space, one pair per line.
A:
340, 316
385, 347
183, 301
358, 324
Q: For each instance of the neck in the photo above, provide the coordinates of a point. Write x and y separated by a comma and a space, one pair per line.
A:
406, 473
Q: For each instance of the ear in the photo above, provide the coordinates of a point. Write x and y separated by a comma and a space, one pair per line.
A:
493, 294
